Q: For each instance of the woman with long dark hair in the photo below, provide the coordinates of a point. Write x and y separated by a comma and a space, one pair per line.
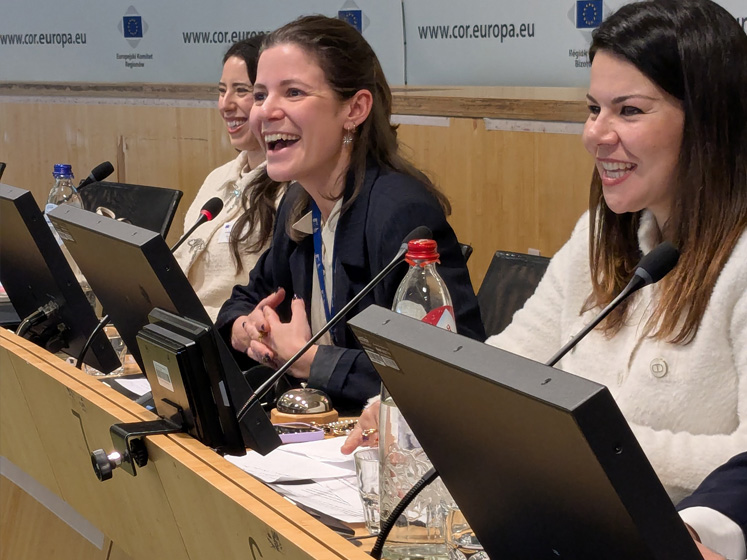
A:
322, 109
667, 127
219, 254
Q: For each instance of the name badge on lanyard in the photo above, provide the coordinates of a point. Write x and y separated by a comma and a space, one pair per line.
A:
316, 223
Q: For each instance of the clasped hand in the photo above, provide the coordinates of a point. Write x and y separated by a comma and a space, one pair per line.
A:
266, 339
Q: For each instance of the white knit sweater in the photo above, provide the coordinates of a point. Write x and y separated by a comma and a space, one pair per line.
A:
205, 257
687, 404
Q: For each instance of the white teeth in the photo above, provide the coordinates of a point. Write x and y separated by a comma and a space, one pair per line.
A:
235, 124
280, 136
616, 165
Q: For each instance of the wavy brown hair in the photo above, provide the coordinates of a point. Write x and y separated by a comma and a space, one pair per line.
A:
697, 52
258, 198
350, 65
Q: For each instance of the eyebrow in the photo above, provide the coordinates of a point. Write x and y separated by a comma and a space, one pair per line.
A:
248, 84
624, 98
285, 83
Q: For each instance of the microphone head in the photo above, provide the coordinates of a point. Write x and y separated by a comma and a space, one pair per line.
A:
420, 232
212, 208
657, 263
102, 171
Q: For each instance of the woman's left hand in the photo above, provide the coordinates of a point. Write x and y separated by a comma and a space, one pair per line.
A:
285, 339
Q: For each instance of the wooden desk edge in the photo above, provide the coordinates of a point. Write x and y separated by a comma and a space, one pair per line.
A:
221, 474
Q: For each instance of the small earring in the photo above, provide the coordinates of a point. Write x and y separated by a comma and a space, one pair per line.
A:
348, 137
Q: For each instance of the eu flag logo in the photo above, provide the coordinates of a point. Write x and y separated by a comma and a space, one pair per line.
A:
588, 13
132, 27
353, 17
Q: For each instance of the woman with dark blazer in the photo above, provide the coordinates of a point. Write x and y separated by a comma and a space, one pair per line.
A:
322, 109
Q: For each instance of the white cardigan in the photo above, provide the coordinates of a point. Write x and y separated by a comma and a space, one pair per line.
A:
687, 404
205, 257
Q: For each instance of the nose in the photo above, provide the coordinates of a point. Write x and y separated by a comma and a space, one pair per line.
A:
271, 108
226, 101
601, 130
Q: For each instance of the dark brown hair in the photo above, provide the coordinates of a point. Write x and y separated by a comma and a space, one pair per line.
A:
350, 65
695, 51
258, 198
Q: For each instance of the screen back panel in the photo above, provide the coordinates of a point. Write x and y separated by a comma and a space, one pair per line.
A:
34, 271
133, 272
130, 269
542, 462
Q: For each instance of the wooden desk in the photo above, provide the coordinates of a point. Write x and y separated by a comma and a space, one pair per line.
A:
187, 503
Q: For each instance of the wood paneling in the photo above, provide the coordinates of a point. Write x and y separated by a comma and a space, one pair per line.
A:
509, 190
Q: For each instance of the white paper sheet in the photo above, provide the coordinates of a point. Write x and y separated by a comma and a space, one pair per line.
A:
279, 466
337, 497
139, 386
325, 450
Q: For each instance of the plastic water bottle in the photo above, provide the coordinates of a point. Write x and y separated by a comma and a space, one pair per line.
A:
421, 531
64, 192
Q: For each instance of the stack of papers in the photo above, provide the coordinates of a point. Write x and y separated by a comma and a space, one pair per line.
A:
312, 473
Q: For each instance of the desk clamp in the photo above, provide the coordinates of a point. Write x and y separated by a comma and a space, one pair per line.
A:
129, 446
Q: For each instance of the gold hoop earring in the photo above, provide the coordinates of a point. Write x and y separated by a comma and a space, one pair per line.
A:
349, 136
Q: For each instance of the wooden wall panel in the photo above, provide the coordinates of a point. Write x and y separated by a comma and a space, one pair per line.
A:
509, 190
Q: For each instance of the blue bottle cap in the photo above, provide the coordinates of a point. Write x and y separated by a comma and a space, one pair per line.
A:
63, 170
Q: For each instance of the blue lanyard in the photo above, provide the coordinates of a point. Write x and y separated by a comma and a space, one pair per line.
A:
316, 223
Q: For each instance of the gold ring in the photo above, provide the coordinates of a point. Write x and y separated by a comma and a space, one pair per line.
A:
260, 336
368, 432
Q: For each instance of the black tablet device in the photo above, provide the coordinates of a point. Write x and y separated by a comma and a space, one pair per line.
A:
541, 462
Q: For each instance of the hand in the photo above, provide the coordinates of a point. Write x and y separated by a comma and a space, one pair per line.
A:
285, 339
252, 327
707, 553
366, 431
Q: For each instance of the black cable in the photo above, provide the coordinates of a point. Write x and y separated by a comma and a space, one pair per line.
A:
44, 312
97, 329
387, 525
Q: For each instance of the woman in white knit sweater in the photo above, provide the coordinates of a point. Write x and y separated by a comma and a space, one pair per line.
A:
668, 131
220, 253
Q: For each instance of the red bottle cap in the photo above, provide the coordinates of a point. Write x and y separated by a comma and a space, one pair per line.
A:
421, 250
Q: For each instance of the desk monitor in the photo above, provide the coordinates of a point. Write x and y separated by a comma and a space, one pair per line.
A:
542, 462
34, 272
132, 272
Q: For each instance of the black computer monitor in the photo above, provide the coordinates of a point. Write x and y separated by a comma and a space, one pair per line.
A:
35, 273
132, 272
541, 462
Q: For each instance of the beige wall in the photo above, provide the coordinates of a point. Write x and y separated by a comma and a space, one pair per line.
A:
509, 190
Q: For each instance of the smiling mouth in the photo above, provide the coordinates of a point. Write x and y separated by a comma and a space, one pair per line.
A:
276, 142
616, 170
235, 124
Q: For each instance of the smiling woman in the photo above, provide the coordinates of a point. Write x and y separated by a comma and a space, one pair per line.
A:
322, 109
667, 126
218, 254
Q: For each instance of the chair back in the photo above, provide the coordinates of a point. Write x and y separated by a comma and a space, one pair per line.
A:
152, 208
510, 281
466, 251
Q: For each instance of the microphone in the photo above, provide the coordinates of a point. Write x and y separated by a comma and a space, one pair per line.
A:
420, 232
209, 211
99, 173
653, 267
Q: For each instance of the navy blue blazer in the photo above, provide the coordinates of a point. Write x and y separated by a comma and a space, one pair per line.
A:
724, 490
369, 233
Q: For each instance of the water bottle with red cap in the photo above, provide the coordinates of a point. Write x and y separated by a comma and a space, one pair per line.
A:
422, 294
421, 530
